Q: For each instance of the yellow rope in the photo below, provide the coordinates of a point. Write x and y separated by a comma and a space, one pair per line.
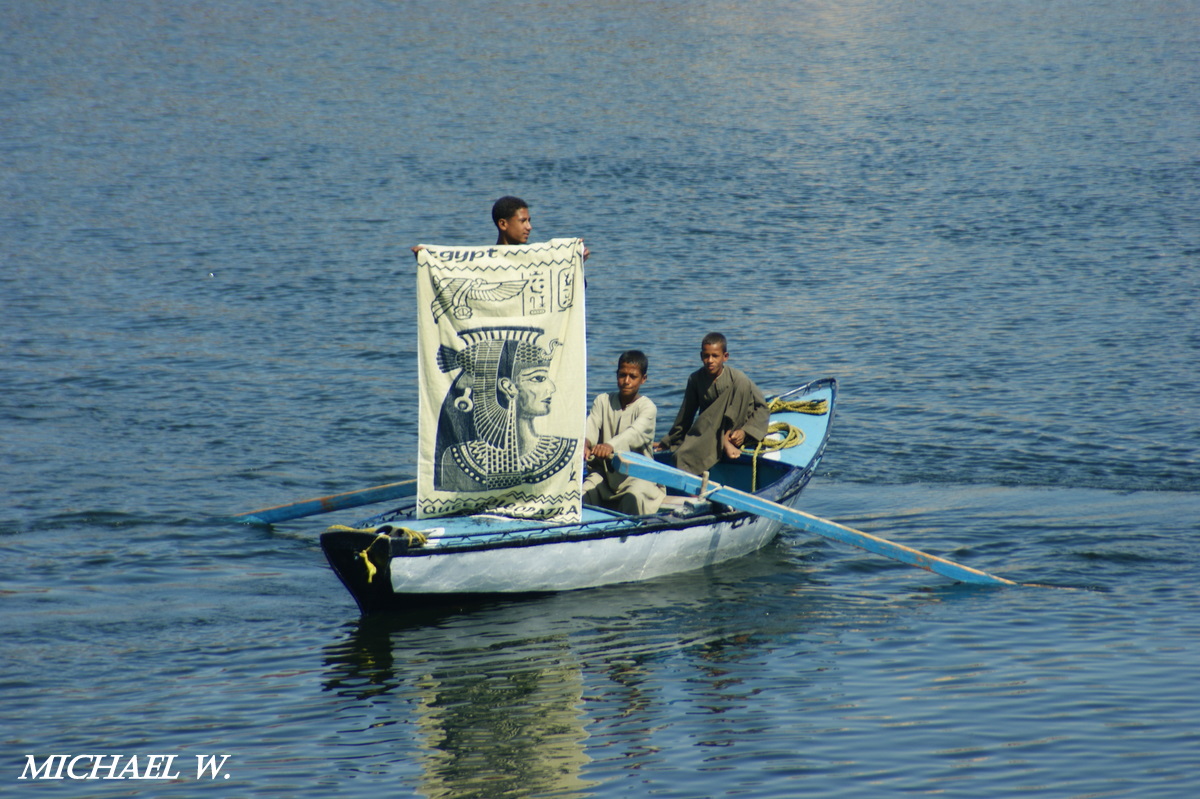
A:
814, 407
793, 437
415, 538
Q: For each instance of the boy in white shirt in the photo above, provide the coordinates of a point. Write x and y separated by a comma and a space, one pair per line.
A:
622, 422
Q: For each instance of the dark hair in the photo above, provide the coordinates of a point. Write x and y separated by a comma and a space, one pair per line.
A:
715, 338
634, 358
505, 207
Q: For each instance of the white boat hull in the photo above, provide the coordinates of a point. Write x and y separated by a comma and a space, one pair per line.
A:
582, 564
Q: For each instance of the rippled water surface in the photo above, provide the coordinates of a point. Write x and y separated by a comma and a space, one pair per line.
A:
981, 217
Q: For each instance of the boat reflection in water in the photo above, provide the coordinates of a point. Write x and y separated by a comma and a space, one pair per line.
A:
490, 701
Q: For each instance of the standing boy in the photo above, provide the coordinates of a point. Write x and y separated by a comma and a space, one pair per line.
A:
510, 215
728, 411
513, 224
622, 422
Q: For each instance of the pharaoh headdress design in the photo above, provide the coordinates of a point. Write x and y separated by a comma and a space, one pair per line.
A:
479, 428
502, 379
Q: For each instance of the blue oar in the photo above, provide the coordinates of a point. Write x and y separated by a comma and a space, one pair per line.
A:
635, 465
311, 507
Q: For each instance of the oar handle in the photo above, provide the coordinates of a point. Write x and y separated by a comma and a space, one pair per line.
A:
312, 507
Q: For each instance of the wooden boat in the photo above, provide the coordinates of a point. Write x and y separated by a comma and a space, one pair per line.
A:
396, 561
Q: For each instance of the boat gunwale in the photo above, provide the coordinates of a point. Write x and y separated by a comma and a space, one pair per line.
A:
616, 527
792, 479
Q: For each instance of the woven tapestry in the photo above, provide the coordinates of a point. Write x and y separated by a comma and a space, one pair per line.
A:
501, 358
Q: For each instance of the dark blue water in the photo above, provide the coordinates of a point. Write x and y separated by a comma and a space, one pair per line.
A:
981, 217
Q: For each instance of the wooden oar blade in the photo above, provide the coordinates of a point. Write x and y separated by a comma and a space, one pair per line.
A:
636, 465
312, 507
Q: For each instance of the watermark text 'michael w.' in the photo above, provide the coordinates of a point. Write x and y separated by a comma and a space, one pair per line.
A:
117, 767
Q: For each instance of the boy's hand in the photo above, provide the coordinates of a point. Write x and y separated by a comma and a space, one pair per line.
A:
602, 451
731, 443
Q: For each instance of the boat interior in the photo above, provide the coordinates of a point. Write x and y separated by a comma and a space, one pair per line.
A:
742, 474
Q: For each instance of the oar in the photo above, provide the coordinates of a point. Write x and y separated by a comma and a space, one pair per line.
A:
635, 465
311, 507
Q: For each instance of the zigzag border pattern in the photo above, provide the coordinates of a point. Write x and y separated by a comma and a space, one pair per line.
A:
519, 505
470, 266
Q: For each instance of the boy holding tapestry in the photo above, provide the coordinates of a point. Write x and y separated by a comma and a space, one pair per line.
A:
513, 224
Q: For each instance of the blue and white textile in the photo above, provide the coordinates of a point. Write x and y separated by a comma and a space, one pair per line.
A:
502, 362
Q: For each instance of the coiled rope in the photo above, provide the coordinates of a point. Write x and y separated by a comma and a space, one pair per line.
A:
811, 407
792, 436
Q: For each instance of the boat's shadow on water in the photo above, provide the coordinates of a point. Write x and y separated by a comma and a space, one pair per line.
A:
493, 692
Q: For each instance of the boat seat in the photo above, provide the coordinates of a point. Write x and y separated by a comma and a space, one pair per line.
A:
592, 513
685, 507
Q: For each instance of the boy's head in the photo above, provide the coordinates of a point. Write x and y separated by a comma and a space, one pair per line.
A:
632, 366
511, 217
714, 352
